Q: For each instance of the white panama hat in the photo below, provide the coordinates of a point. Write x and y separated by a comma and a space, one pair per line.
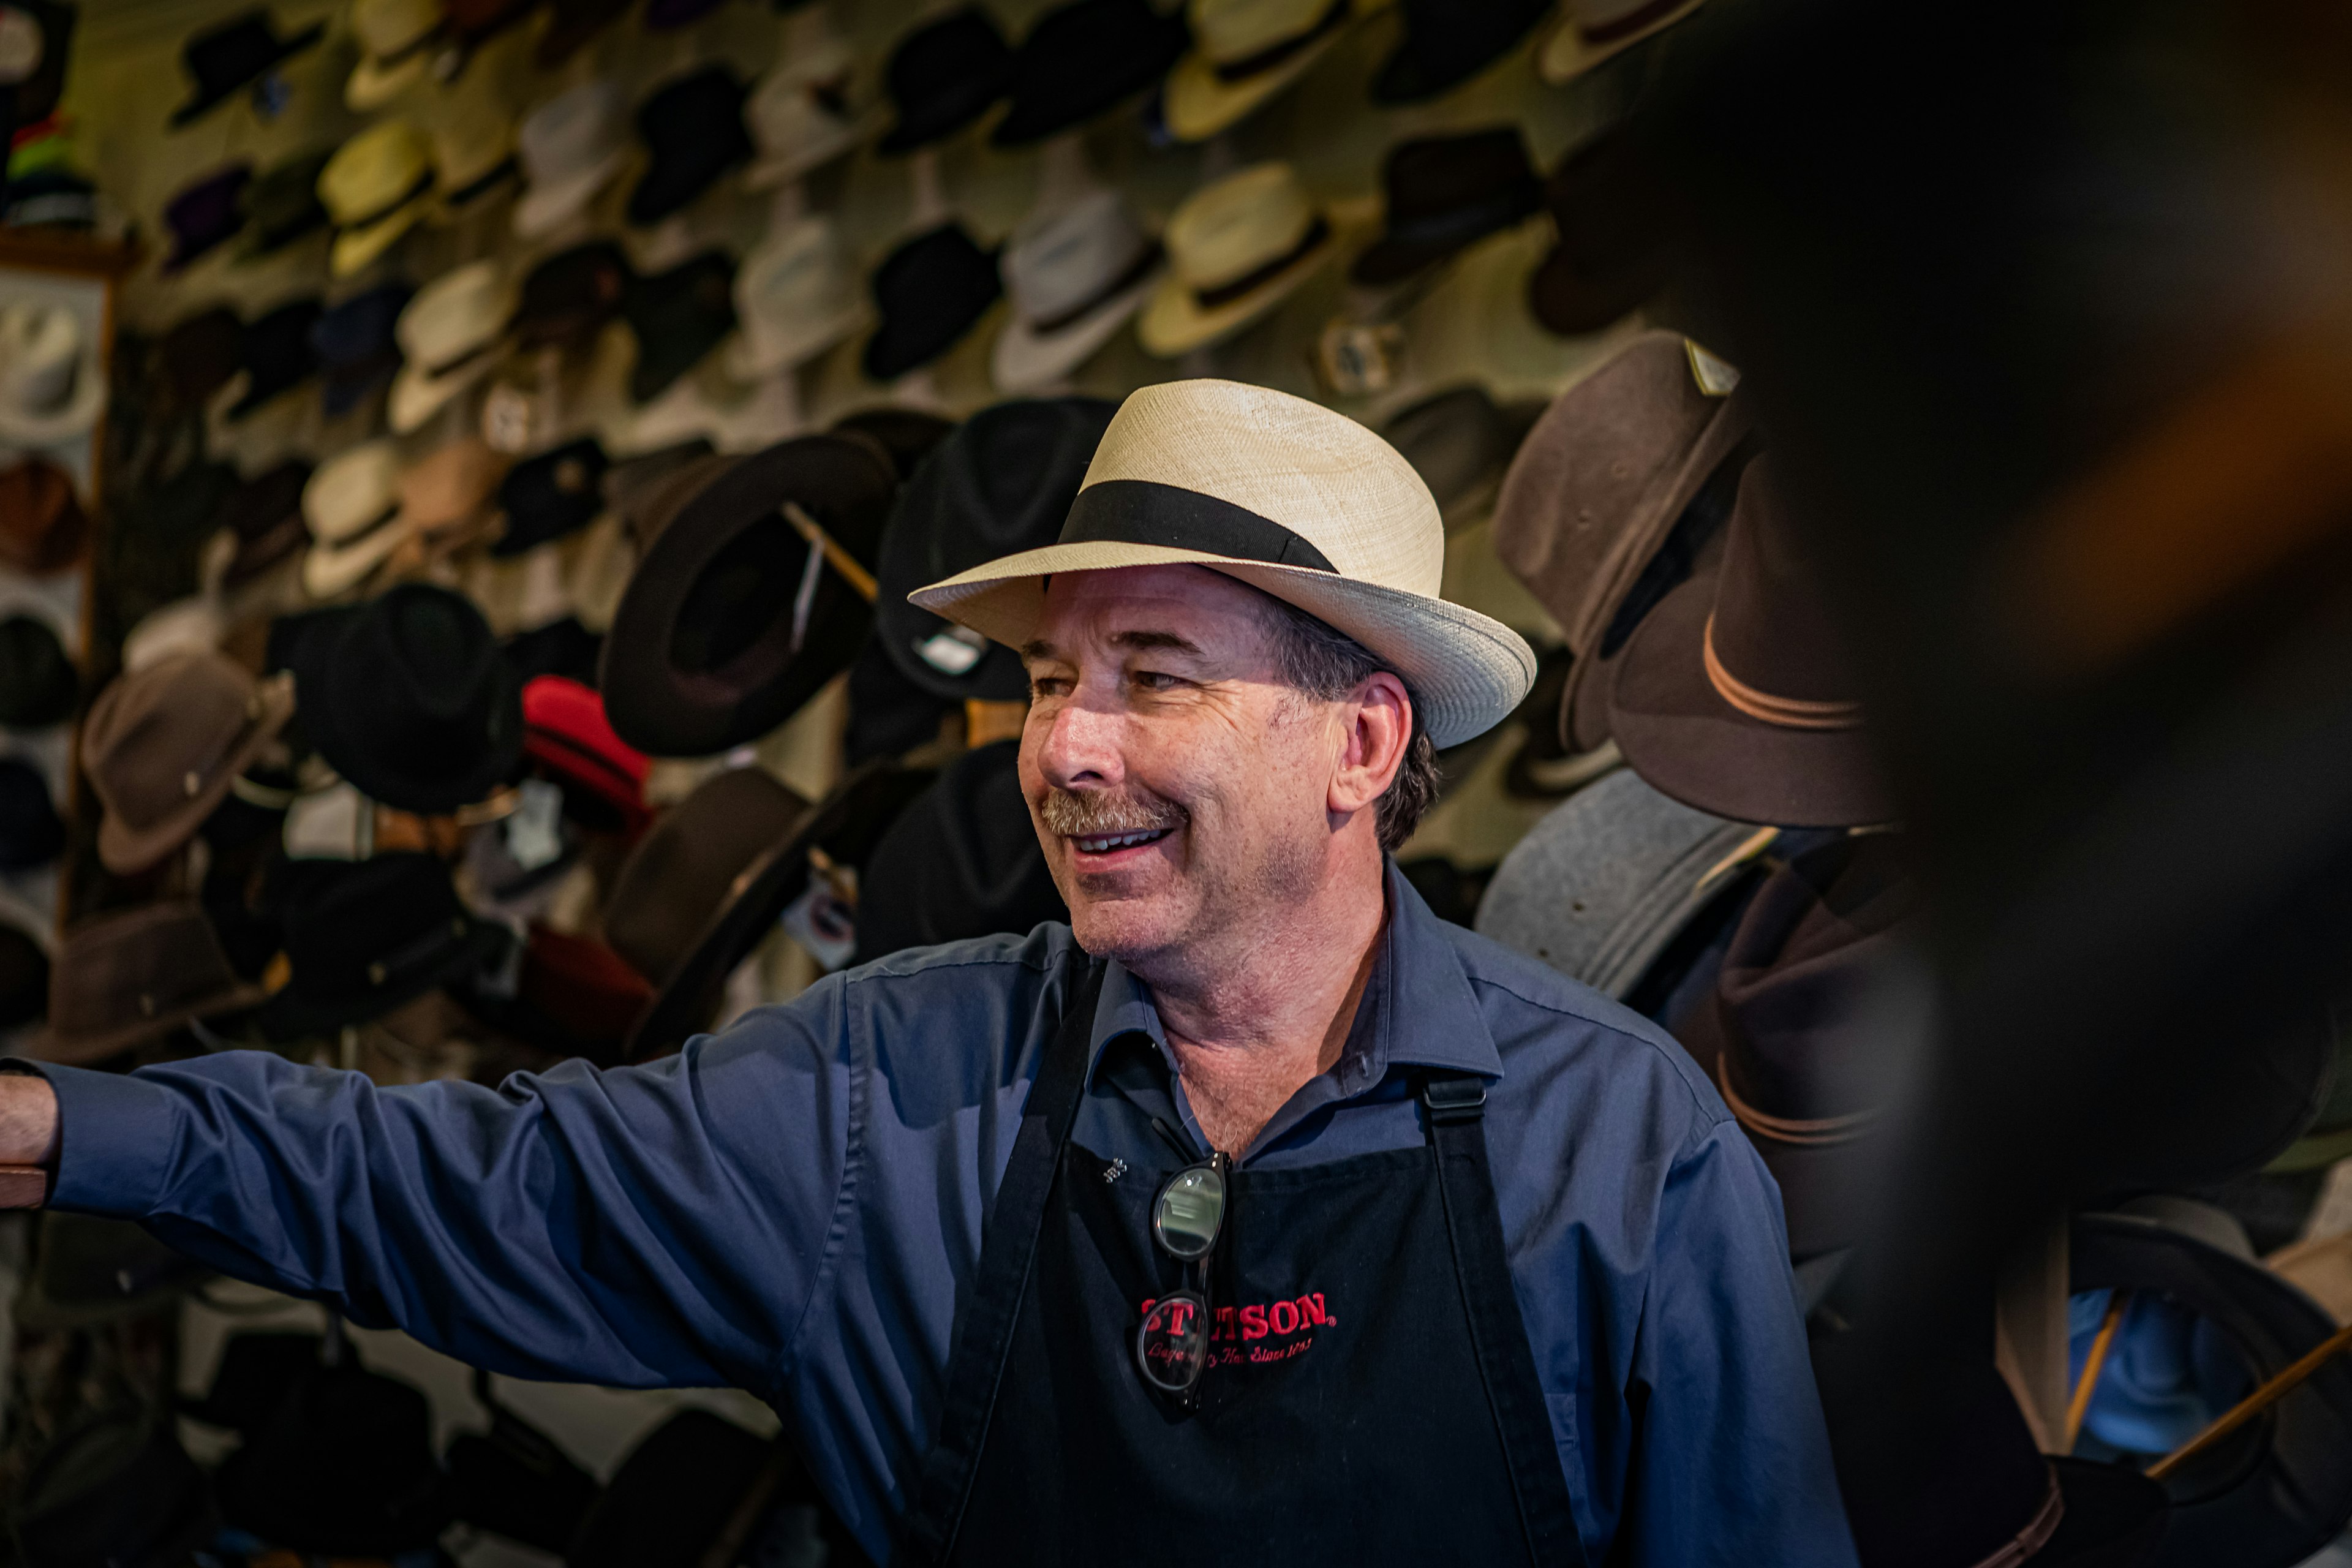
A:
351, 507
1294, 499
572, 147
448, 337
51, 386
801, 115
1591, 31
1074, 275
1244, 53
1236, 248
796, 295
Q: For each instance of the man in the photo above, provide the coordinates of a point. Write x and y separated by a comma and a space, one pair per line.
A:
1270, 1219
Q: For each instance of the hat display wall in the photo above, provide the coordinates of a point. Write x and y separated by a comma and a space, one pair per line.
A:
1445, 193
376, 187
678, 317
962, 861
1447, 42
365, 936
2212, 1325
409, 698
205, 215
31, 833
1001, 483
281, 206
693, 132
1600, 513
1612, 252
1236, 248
1591, 31
396, 39
164, 744
801, 114
224, 60
572, 147
1079, 61
349, 505
796, 295
125, 978
931, 291
1291, 498
1074, 275
1734, 694
735, 618
1244, 52
38, 682
943, 75
682, 870
568, 298
356, 345
52, 387
276, 355
449, 335
909, 434
43, 529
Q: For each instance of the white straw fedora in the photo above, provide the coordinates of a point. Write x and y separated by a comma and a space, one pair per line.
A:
796, 295
1290, 497
351, 507
1236, 249
1243, 52
51, 386
448, 334
1591, 31
1074, 275
395, 39
572, 147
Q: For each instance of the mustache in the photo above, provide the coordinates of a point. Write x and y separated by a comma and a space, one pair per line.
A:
1073, 813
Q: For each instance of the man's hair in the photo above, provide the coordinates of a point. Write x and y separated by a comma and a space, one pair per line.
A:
1327, 664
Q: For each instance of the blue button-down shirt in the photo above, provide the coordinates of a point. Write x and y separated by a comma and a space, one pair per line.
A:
795, 1206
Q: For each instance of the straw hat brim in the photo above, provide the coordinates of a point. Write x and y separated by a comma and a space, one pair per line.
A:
1174, 322
331, 570
1566, 55
355, 248
1195, 105
544, 205
373, 84
743, 362
417, 396
1467, 670
124, 851
79, 413
781, 168
1025, 360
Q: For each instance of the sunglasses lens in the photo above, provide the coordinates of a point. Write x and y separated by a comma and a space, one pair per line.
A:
1191, 1208
1173, 1345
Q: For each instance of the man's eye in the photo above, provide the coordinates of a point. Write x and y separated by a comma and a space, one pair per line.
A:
1153, 681
1048, 685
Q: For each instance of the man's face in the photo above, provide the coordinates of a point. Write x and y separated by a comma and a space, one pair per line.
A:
1179, 787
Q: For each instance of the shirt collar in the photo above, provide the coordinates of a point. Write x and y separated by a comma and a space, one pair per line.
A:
1417, 1011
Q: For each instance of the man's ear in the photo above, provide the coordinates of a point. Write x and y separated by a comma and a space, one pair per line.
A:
1378, 717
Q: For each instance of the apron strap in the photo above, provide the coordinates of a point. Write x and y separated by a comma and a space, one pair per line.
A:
1456, 1103
1008, 1245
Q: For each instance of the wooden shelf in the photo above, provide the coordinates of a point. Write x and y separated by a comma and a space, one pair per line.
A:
69, 252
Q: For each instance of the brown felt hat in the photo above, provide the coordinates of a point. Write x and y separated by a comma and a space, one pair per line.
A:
125, 978
163, 743
42, 525
1782, 1037
683, 868
1596, 490
1735, 695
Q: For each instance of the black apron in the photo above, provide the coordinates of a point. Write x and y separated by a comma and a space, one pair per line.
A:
1369, 1395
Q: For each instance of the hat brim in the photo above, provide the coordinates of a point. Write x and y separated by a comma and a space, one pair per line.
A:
80, 412
355, 249
372, 84
1567, 54
203, 103
125, 850
331, 571
287, 1017
544, 206
1467, 671
742, 362
417, 396
769, 169
1677, 732
1195, 104
1024, 360
75, 1050
1174, 322
898, 347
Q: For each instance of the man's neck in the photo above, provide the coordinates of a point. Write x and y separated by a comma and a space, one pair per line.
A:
1249, 1031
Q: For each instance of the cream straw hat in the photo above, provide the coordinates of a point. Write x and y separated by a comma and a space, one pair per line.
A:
395, 39
376, 189
1243, 52
449, 335
1290, 497
1236, 249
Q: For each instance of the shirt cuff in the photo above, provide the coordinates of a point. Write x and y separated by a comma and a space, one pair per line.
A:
114, 1140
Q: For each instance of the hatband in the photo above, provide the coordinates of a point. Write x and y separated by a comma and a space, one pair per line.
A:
1770, 708
1145, 512
1334, 15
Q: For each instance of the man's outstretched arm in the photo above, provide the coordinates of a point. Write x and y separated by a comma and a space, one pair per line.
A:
640, 1226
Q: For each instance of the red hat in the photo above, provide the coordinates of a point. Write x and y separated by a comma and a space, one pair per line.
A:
584, 990
565, 733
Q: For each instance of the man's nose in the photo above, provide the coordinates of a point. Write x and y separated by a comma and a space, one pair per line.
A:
1080, 746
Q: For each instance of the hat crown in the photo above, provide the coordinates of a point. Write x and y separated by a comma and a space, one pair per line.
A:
691, 109
1315, 472
373, 170
40, 352
1230, 228
361, 328
572, 133
235, 50
120, 970
947, 56
344, 920
1771, 630
158, 736
385, 27
455, 314
682, 869
1228, 30
451, 483
351, 491
1058, 262
803, 270
802, 98
1441, 174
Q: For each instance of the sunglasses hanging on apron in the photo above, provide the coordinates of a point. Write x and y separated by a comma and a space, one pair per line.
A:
1364, 1393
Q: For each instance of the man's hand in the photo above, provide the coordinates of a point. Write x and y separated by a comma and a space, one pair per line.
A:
29, 1139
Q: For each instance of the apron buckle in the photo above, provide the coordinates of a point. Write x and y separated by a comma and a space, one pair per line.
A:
1452, 1100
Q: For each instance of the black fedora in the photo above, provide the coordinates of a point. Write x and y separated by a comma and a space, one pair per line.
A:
889, 715
224, 60
932, 290
909, 434
962, 860
277, 354
566, 300
2206, 1324
1445, 193
734, 618
693, 130
557, 493
265, 516
1000, 484
678, 317
1447, 42
409, 696
363, 936
1613, 249
206, 214
38, 684
1079, 61
943, 75
357, 347
564, 648
846, 825
282, 205
31, 833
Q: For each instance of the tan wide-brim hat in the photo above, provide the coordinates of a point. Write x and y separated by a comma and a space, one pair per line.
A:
1569, 52
1196, 103
1291, 498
